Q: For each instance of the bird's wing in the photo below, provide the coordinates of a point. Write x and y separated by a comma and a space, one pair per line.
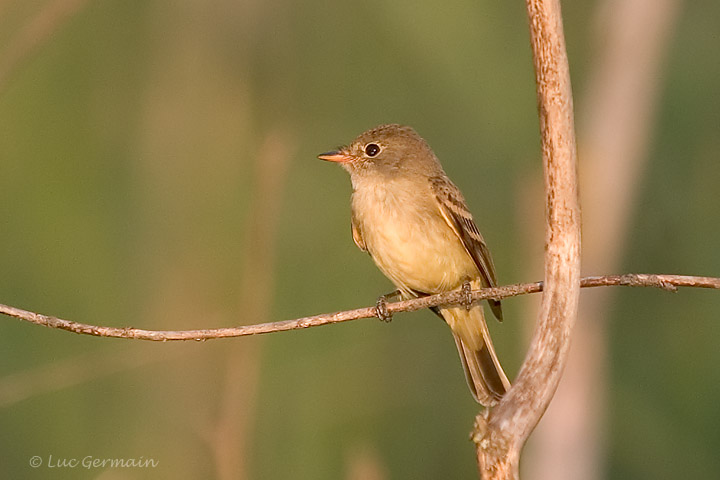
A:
455, 212
357, 236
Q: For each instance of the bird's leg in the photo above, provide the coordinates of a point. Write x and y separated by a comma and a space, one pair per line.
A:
381, 306
467, 295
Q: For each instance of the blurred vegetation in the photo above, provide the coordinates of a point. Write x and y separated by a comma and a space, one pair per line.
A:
129, 151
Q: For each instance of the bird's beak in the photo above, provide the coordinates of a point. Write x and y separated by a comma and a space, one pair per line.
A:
335, 156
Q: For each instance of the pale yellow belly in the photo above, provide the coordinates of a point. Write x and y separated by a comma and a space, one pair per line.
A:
415, 248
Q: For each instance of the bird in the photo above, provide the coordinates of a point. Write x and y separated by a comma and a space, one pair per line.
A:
415, 224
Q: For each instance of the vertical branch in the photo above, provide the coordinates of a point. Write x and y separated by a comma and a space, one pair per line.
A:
501, 433
614, 135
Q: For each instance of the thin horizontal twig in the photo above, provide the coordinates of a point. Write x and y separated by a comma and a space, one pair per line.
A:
666, 282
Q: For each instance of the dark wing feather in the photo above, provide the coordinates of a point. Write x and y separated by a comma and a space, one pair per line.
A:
457, 215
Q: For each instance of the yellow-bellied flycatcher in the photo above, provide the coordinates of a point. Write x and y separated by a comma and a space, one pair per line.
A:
414, 223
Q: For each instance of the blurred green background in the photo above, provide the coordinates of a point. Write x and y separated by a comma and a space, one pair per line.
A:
158, 170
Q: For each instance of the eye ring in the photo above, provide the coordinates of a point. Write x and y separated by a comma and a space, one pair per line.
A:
372, 149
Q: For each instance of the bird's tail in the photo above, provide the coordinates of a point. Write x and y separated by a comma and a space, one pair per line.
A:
484, 375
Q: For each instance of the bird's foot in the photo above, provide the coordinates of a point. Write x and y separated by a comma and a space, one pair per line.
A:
467, 295
381, 309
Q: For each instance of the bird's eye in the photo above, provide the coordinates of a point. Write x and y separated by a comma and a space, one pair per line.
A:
371, 149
